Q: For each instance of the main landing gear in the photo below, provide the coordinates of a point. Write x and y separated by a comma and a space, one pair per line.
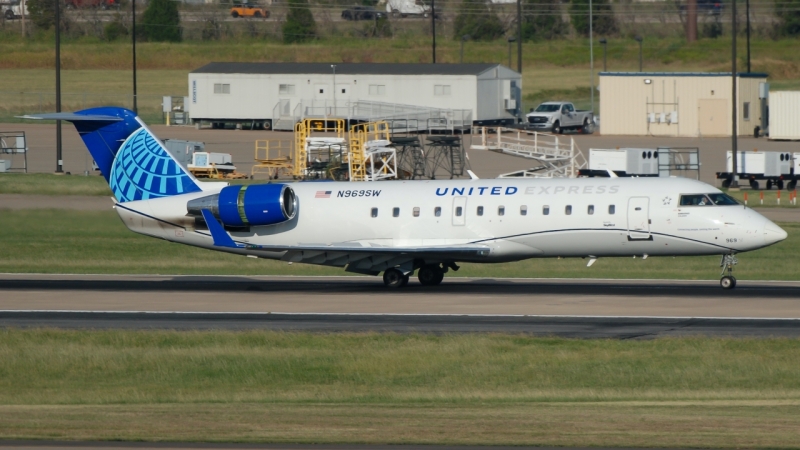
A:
728, 281
428, 275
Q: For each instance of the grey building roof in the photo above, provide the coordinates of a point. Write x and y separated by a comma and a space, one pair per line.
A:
683, 74
345, 68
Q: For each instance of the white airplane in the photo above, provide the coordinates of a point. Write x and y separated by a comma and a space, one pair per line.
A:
399, 227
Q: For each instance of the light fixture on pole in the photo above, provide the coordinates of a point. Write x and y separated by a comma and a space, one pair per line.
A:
464, 38
510, 41
604, 43
639, 40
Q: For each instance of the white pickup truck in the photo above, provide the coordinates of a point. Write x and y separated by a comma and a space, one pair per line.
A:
14, 9
557, 117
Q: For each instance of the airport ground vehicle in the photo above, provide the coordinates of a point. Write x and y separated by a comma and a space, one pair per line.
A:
778, 169
558, 117
401, 227
249, 10
362, 13
711, 7
405, 8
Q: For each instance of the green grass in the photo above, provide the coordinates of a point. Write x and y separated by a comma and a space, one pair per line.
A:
770, 198
50, 184
48, 241
386, 388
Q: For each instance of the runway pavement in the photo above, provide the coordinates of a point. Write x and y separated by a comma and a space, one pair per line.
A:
573, 308
58, 445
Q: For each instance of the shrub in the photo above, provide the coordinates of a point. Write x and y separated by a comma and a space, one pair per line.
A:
542, 20
161, 21
115, 29
300, 25
476, 20
788, 13
603, 22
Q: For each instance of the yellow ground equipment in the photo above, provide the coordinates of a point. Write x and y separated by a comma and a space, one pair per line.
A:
370, 156
274, 158
312, 149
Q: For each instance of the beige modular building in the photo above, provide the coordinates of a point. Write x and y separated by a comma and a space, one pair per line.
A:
677, 104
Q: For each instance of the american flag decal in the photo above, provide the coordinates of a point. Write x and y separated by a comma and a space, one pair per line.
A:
323, 194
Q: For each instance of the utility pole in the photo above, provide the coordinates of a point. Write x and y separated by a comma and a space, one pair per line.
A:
734, 113
747, 7
22, 15
519, 36
433, 28
333, 66
59, 159
691, 20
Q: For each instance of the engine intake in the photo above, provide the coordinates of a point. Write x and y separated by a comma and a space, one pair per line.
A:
253, 205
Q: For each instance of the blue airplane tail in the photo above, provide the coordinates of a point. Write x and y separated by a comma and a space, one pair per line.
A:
132, 160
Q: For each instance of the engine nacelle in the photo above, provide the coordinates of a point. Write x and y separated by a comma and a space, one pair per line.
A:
244, 206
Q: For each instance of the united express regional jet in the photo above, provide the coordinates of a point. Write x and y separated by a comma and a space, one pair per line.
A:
399, 227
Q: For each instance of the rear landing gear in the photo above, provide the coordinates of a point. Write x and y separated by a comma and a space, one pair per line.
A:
728, 281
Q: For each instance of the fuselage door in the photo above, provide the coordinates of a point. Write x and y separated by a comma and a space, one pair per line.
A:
638, 218
459, 211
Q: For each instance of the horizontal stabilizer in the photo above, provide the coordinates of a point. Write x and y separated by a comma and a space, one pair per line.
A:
220, 236
71, 117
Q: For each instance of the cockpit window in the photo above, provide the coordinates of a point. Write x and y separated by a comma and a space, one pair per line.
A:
707, 200
695, 200
722, 199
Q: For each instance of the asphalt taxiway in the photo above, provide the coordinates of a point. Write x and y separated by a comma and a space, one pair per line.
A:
573, 308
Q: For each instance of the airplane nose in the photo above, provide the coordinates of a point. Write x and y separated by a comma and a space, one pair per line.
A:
773, 233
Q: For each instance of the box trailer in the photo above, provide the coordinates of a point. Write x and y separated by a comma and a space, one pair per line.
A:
775, 168
784, 115
624, 162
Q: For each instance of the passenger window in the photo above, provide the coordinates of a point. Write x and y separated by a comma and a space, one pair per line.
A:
590, 209
612, 209
545, 210
396, 212
459, 211
568, 210
374, 212
416, 211
480, 210
437, 211
501, 210
523, 210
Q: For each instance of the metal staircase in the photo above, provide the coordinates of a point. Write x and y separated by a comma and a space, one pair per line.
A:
556, 157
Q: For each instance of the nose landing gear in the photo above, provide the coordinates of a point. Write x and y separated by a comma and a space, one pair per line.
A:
728, 261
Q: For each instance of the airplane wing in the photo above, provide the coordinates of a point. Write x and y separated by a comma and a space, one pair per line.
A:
357, 258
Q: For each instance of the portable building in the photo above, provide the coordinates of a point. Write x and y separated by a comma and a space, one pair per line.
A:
276, 94
678, 104
784, 115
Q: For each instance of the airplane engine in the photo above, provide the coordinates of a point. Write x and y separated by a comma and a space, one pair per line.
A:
254, 205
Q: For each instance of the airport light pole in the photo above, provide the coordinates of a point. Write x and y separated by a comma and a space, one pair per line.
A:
591, 55
639, 39
433, 29
734, 142
333, 66
133, 46
510, 40
464, 38
604, 43
59, 159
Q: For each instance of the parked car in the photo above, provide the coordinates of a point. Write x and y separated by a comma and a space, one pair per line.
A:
557, 117
102, 4
249, 10
362, 13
